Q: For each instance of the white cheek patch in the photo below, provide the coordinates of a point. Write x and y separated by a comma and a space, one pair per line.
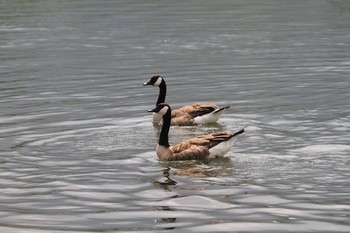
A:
156, 118
163, 110
159, 80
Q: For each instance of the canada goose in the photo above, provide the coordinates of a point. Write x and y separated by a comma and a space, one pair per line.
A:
193, 114
202, 147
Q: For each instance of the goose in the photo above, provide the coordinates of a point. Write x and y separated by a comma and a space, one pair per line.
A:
202, 147
193, 114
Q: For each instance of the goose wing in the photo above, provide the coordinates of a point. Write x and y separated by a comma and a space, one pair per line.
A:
198, 147
216, 138
195, 148
182, 120
194, 110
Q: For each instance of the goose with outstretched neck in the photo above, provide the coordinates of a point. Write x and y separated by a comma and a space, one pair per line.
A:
202, 147
193, 114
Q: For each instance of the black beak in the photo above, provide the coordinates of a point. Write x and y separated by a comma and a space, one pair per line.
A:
152, 110
147, 83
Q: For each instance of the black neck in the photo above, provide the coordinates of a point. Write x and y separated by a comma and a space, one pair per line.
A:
164, 133
162, 93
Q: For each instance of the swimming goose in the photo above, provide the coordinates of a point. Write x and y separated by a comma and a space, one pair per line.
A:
193, 114
202, 147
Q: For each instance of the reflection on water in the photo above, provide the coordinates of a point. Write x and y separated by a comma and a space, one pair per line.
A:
77, 146
218, 167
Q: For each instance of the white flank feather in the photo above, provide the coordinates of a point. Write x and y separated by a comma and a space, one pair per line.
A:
208, 118
222, 148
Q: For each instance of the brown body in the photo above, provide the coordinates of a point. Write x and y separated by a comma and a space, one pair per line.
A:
185, 115
194, 148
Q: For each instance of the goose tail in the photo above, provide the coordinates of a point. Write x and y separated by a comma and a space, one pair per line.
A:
237, 133
211, 117
220, 109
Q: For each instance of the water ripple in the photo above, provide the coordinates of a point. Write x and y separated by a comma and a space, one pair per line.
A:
78, 147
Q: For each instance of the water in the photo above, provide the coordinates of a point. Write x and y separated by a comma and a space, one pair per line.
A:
77, 143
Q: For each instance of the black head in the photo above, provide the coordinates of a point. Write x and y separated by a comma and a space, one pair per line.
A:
154, 81
161, 109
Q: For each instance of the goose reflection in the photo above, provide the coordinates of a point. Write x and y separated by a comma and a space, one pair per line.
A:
165, 182
217, 167
174, 171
